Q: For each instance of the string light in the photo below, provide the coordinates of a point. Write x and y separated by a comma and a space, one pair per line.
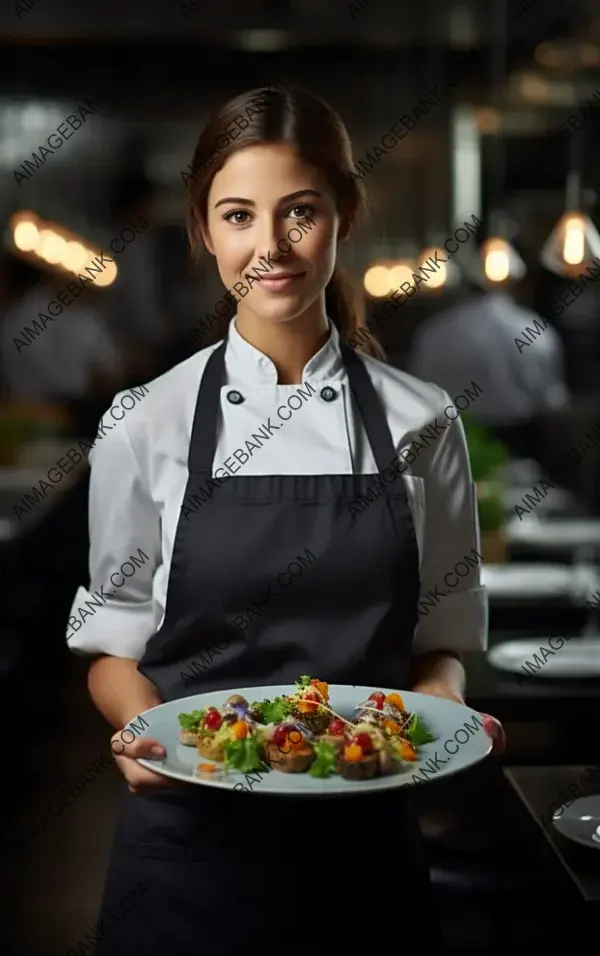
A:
56, 247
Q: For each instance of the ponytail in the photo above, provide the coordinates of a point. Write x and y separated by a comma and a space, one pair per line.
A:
345, 306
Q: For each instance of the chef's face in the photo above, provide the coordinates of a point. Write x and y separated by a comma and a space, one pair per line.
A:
256, 212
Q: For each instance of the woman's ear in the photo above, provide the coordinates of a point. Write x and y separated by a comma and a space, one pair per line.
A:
205, 236
344, 226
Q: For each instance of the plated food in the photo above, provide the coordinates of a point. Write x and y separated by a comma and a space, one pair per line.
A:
301, 733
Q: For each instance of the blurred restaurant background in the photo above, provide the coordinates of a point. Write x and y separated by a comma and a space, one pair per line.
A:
496, 107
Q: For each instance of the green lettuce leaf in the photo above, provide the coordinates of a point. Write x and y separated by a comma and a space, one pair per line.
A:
192, 721
417, 732
244, 755
273, 711
326, 757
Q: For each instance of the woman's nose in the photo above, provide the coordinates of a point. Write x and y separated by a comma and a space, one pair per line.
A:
270, 244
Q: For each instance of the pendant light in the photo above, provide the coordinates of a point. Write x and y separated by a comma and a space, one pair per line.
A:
499, 262
574, 242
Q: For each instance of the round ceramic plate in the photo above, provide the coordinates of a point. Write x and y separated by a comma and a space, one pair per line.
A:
581, 821
460, 742
536, 582
577, 660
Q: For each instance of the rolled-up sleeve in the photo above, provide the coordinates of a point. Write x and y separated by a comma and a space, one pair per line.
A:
453, 605
116, 615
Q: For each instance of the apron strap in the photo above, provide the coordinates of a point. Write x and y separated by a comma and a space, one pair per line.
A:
203, 440
370, 408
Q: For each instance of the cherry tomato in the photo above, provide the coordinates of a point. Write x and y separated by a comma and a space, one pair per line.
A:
213, 720
337, 728
363, 741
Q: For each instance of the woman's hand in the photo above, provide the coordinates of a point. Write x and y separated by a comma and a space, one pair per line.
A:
491, 726
139, 780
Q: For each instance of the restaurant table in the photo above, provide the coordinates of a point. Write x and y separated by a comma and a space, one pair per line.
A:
542, 790
559, 503
516, 582
555, 534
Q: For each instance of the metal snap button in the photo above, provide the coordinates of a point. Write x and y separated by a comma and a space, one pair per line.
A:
236, 398
328, 394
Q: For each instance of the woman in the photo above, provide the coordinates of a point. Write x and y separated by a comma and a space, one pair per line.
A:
272, 206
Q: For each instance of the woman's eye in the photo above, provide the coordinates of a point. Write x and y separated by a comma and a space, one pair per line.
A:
305, 210
229, 217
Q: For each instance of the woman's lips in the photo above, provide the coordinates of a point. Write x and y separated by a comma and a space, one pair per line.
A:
278, 283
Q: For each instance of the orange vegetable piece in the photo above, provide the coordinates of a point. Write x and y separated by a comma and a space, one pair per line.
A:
392, 726
307, 706
395, 700
293, 741
239, 730
323, 687
206, 768
406, 751
353, 752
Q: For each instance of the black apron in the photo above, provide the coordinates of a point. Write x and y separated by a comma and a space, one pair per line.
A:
222, 869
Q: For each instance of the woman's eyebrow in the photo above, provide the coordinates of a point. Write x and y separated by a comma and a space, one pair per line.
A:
250, 202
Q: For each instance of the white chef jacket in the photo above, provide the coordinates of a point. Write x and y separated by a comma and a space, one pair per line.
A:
139, 474
475, 340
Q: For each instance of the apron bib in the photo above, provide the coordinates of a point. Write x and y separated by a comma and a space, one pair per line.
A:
278, 574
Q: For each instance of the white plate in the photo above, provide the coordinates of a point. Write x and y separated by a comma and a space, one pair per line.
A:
554, 532
574, 659
581, 821
461, 742
530, 582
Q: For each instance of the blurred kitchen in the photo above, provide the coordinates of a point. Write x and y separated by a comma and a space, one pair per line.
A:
476, 129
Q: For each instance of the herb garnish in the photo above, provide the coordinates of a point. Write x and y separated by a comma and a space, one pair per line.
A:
325, 761
192, 721
244, 755
272, 711
416, 732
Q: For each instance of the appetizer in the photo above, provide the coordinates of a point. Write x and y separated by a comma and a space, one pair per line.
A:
300, 733
310, 703
287, 747
188, 727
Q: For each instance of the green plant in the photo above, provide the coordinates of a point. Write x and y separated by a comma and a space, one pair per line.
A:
491, 511
487, 454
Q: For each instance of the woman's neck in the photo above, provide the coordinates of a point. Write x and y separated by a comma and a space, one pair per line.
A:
289, 345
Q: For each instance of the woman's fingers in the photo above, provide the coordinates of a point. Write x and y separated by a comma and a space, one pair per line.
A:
140, 778
494, 729
140, 747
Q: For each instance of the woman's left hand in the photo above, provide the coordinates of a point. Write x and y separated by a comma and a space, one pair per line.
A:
491, 726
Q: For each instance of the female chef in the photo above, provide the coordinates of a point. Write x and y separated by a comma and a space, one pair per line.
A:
256, 457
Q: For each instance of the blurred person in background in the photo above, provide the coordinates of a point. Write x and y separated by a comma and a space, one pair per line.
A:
72, 358
133, 303
481, 338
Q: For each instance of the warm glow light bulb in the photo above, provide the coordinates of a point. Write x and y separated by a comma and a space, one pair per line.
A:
434, 280
75, 256
399, 274
574, 241
377, 281
51, 246
26, 235
108, 276
497, 262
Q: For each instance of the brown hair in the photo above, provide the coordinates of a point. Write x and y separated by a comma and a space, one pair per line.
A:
287, 114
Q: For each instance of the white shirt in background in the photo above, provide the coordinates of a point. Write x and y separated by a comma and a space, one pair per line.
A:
475, 340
